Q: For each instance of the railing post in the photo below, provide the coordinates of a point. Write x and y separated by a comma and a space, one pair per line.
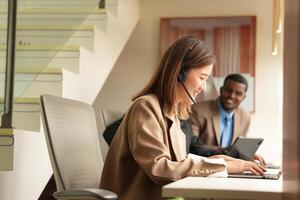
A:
6, 121
101, 4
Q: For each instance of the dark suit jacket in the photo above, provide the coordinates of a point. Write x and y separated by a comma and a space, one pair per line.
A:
205, 121
111, 130
197, 147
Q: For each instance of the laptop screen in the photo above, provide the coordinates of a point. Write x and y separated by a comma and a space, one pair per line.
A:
245, 148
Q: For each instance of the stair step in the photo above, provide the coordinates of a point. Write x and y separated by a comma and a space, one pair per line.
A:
26, 113
93, 16
55, 11
35, 70
43, 47
36, 88
71, 64
42, 51
53, 34
35, 81
66, 56
51, 30
58, 3
23, 104
33, 74
23, 100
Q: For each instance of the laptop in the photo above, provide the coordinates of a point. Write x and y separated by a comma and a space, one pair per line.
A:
244, 147
270, 173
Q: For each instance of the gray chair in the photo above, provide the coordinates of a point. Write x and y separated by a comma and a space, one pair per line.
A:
110, 116
74, 149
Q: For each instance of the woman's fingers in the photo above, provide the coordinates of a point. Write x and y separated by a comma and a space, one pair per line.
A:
238, 166
260, 159
255, 168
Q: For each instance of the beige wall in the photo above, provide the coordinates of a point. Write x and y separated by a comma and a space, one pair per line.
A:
140, 57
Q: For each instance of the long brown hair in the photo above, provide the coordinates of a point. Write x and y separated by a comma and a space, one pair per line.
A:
187, 52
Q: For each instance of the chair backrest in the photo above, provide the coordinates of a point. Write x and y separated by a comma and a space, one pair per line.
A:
110, 116
73, 142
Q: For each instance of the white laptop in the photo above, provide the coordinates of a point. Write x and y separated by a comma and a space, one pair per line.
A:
270, 173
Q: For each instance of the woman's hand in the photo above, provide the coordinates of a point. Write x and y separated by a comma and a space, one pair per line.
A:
238, 166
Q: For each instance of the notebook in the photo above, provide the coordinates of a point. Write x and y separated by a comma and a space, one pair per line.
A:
270, 173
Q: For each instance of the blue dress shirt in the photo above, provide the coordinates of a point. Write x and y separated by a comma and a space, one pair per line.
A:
226, 126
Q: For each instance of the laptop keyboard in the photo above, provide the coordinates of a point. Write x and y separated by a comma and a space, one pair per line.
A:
272, 173
269, 174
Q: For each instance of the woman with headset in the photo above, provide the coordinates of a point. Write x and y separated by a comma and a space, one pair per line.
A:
148, 149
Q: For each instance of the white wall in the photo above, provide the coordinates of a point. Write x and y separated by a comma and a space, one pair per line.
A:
140, 57
32, 168
109, 41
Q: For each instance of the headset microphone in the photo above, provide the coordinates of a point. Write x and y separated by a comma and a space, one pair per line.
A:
186, 91
182, 76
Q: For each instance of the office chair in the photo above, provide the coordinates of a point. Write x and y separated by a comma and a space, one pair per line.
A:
110, 116
74, 150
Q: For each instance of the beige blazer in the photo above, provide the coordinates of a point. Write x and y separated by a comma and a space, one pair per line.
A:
147, 152
205, 121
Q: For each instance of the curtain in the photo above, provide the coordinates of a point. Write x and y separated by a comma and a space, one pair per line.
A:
169, 34
234, 48
227, 50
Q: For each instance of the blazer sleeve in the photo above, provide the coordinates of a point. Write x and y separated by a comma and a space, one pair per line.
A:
152, 154
244, 121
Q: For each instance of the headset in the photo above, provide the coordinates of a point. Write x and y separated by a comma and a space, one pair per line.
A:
182, 73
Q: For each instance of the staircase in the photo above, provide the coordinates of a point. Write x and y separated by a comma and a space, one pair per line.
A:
64, 48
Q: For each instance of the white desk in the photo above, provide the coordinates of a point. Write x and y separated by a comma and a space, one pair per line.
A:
224, 188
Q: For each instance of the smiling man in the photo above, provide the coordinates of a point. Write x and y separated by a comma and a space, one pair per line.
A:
217, 123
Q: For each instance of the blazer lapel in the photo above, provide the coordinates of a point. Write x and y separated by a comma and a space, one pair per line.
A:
216, 121
236, 122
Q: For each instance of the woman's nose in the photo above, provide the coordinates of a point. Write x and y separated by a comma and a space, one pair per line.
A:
202, 87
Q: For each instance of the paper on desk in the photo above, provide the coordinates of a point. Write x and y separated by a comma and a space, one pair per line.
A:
221, 161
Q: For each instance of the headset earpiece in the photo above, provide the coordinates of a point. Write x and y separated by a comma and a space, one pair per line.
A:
181, 75
181, 79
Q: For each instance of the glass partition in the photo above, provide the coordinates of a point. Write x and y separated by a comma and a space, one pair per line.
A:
3, 25
49, 36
